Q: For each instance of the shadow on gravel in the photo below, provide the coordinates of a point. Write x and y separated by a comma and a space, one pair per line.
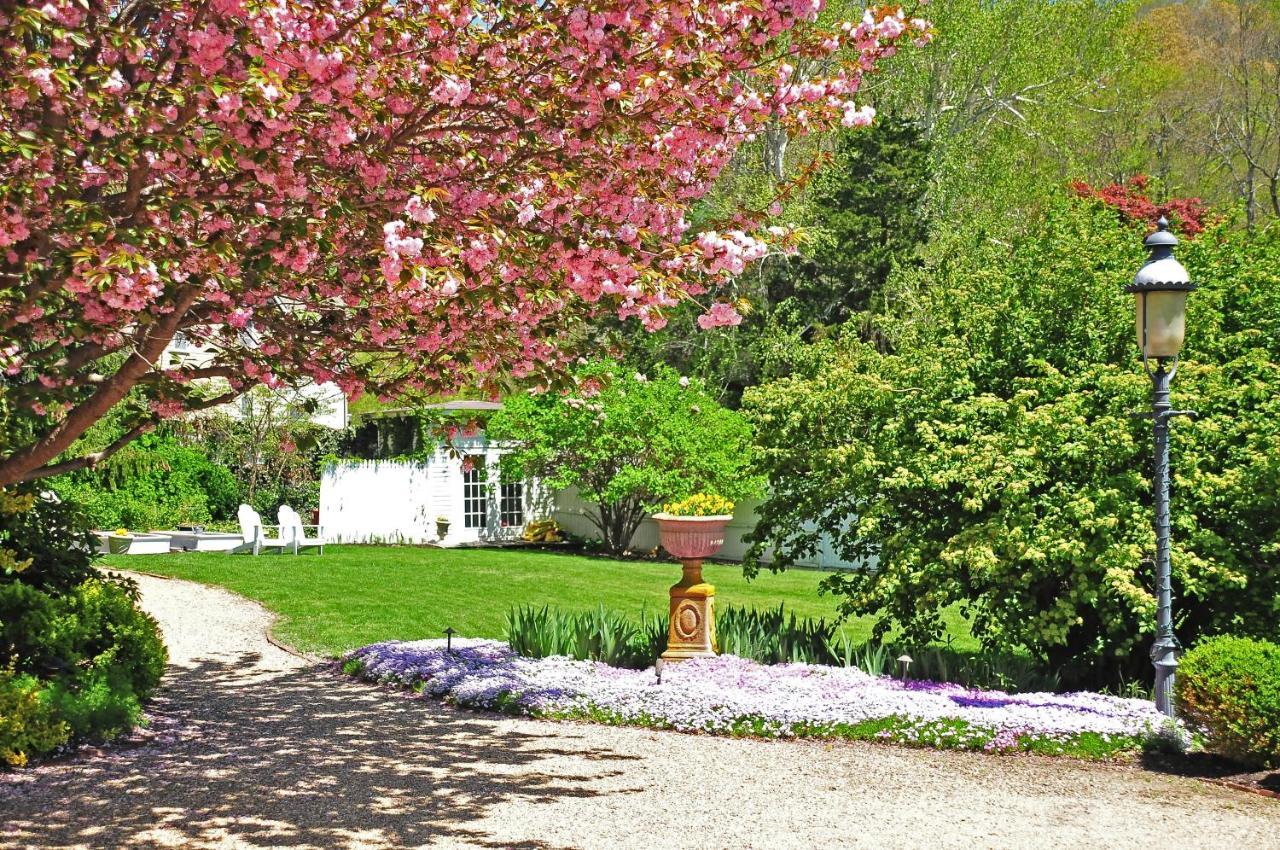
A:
291, 759
1214, 768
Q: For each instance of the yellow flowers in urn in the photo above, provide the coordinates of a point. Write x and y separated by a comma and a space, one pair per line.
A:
700, 504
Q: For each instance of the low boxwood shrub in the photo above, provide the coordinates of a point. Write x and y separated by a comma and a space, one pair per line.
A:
77, 656
1230, 686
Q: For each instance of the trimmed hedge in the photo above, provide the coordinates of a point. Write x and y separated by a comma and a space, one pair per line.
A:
1230, 686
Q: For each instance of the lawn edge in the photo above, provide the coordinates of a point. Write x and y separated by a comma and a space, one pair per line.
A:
268, 633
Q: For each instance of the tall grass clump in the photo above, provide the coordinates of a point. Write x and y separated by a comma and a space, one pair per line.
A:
597, 635
769, 636
773, 637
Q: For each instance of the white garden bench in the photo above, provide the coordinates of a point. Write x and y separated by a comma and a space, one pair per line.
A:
294, 533
256, 535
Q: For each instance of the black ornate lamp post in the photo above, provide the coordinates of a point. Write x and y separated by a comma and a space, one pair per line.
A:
1160, 294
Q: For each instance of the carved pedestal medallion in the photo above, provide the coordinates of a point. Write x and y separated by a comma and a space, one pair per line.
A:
692, 630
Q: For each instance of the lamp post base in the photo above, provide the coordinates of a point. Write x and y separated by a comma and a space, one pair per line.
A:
1164, 656
692, 633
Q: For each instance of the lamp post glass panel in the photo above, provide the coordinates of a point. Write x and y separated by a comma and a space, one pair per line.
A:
1160, 302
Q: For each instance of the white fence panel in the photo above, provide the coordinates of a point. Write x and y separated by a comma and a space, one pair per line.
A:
571, 513
399, 501
378, 501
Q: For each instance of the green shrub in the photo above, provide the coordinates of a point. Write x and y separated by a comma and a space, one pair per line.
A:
1230, 686
29, 722
156, 482
95, 655
77, 657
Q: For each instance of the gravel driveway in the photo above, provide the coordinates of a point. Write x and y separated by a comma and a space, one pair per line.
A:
250, 746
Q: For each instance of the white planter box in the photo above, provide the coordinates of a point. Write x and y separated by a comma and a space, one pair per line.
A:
203, 541
134, 544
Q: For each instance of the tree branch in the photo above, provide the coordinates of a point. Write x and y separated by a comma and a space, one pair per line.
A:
92, 459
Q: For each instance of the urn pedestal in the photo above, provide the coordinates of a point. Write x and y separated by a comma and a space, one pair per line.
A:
692, 632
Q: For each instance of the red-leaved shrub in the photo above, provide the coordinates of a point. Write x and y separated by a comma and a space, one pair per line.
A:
1129, 198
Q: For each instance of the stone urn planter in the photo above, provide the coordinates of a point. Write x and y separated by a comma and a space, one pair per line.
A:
442, 527
692, 632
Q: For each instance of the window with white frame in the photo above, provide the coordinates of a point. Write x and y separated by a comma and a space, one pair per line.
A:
475, 504
511, 504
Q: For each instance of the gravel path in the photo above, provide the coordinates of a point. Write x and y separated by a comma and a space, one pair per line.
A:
250, 746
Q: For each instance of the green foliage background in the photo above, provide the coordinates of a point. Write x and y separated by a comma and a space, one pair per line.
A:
986, 452
155, 482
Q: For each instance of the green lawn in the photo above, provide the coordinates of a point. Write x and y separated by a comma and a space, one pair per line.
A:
356, 595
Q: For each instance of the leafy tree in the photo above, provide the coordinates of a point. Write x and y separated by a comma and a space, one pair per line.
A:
1233, 87
862, 214
628, 443
867, 212
992, 457
1016, 97
227, 169
270, 447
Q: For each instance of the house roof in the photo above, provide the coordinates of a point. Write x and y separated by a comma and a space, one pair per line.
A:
456, 404
466, 404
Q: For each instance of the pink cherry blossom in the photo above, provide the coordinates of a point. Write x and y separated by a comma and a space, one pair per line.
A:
411, 196
720, 315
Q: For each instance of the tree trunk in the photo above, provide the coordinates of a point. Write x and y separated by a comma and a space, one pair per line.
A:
618, 523
34, 460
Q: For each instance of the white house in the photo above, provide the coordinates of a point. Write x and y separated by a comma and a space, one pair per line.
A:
330, 404
404, 501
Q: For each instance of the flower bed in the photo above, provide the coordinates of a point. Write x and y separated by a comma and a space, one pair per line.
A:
734, 696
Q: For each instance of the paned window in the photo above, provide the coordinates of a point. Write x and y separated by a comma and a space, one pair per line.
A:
511, 504
475, 504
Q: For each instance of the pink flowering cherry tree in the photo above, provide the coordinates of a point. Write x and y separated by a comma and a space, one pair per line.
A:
391, 195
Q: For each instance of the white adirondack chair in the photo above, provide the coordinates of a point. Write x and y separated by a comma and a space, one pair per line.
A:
294, 533
255, 534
